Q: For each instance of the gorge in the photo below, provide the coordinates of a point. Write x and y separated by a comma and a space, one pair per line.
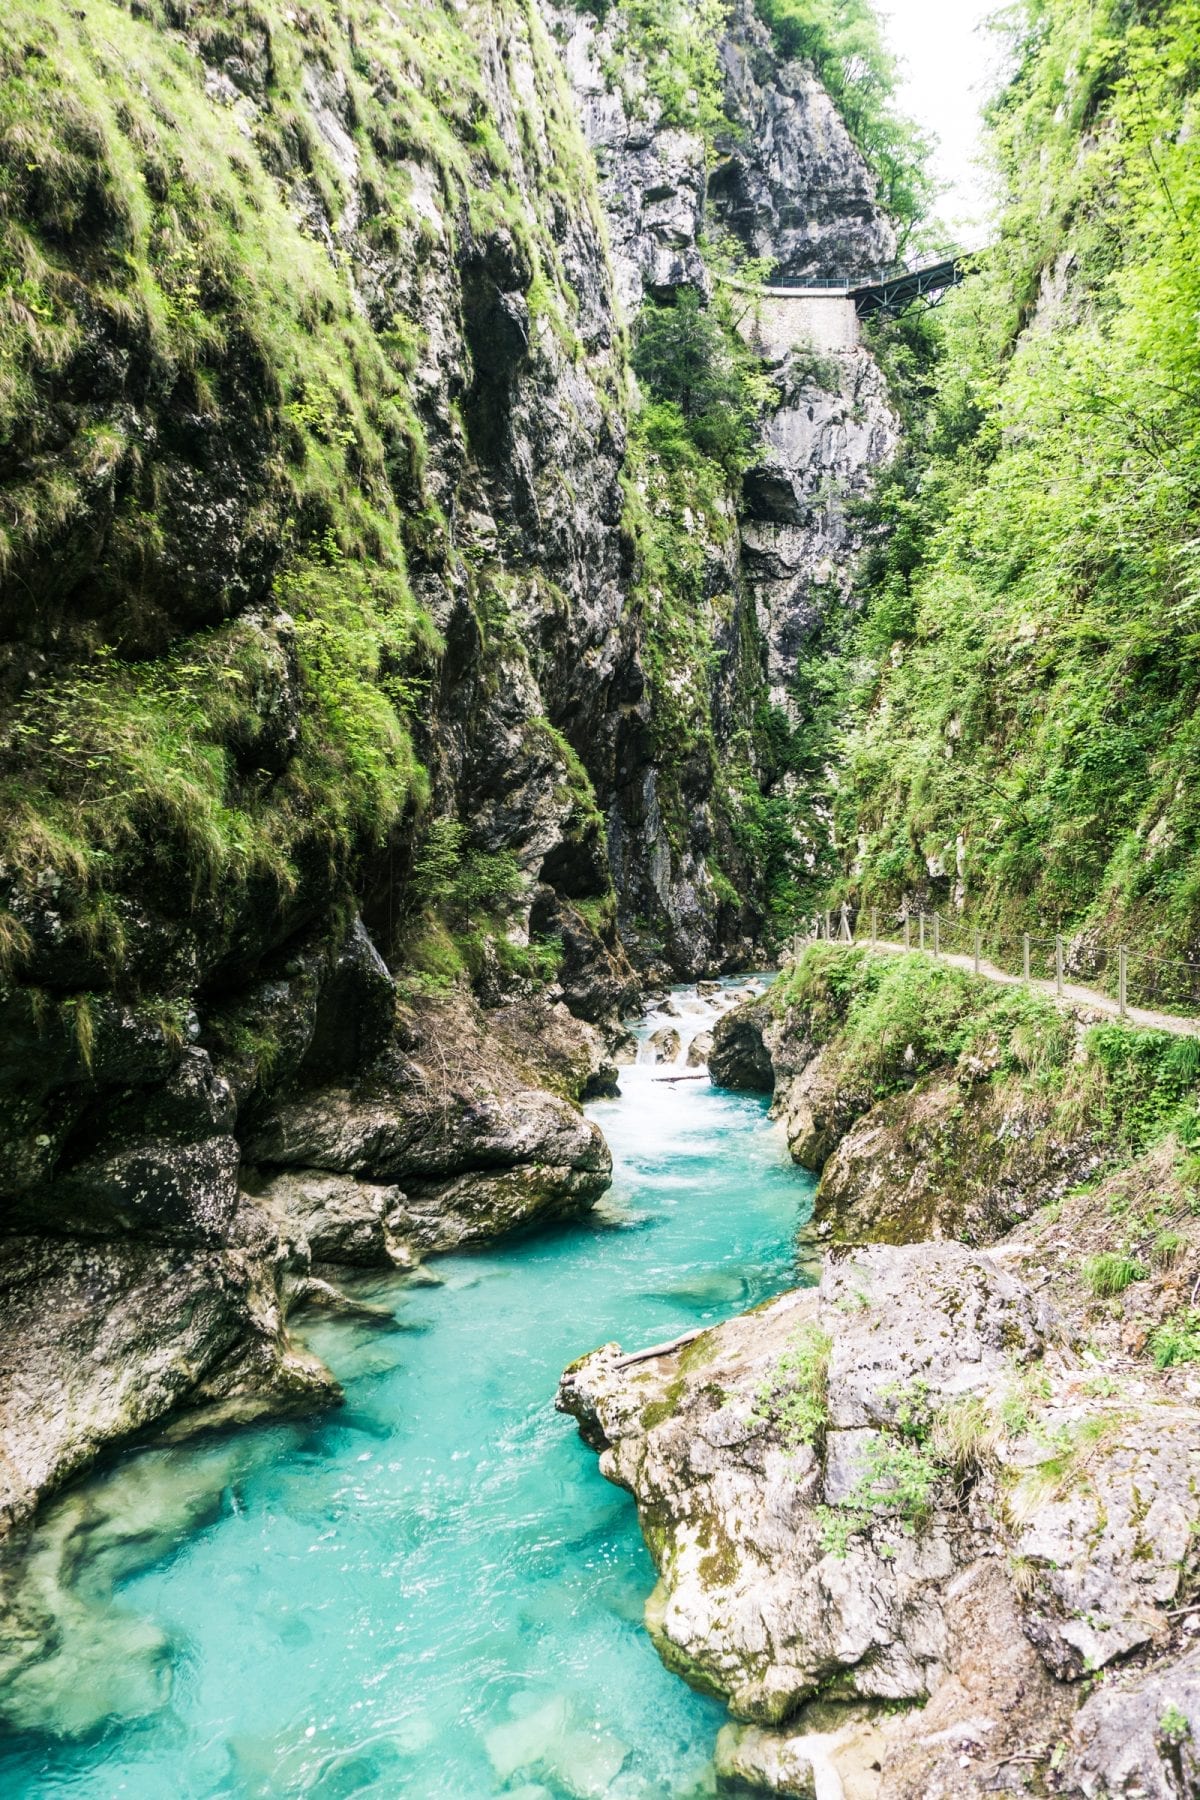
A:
450, 598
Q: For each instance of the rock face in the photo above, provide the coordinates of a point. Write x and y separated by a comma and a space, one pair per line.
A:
313, 566
839, 1513
474, 1146
101, 1339
791, 183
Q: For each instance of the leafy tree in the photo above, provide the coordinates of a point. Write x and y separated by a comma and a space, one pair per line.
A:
689, 357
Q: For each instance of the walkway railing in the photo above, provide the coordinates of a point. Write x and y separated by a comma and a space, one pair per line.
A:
1133, 978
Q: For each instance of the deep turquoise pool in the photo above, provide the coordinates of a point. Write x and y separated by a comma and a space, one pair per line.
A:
429, 1592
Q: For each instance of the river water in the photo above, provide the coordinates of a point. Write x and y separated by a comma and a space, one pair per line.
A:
429, 1592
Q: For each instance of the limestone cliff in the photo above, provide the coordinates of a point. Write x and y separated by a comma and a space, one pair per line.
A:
338, 669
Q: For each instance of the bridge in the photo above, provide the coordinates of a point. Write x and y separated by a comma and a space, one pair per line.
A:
889, 291
826, 311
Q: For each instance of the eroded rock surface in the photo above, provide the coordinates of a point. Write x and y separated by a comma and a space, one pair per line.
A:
448, 1123
839, 1512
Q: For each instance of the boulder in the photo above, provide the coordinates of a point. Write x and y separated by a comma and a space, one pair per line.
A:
891, 1488
740, 1058
455, 1121
341, 1219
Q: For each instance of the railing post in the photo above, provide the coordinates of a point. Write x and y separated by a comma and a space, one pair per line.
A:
907, 932
1025, 954
1058, 966
977, 953
921, 931
874, 926
845, 933
937, 934
1123, 981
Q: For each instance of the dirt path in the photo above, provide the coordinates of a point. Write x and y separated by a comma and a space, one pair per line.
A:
1078, 996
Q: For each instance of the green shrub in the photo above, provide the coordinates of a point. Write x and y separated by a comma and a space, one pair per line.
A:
791, 1401
690, 358
1177, 1339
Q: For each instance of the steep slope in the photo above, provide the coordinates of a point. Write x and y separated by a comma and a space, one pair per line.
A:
1026, 743
721, 155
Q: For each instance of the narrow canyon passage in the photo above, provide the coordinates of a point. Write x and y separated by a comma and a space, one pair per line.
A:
429, 1592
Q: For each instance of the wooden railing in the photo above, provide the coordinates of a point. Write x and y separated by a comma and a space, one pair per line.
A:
1133, 978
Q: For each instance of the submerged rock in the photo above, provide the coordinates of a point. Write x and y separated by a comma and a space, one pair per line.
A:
100, 1340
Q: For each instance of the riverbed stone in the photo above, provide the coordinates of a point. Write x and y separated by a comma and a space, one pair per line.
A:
665, 1044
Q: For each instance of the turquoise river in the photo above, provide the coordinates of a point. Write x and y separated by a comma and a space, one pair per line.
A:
430, 1591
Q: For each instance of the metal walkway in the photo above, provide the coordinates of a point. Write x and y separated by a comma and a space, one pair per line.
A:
891, 291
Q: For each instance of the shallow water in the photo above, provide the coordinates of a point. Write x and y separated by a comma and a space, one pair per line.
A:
429, 1592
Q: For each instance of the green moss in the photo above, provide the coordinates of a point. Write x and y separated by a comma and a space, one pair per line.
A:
181, 239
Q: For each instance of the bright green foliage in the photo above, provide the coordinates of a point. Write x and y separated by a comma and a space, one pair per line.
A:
1174, 1725
888, 1020
1110, 1274
689, 357
1166, 1249
1177, 1339
680, 514
676, 42
1035, 609
899, 1474
792, 1398
1149, 1081
894, 1018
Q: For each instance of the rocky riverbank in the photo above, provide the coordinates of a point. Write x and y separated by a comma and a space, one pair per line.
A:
410, 1125
929, 1526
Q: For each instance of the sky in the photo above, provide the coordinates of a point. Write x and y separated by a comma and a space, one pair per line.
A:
949, 64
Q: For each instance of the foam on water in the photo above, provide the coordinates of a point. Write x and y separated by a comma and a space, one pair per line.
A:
429, 1592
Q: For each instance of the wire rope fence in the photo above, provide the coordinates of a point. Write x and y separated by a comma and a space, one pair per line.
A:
1130, 977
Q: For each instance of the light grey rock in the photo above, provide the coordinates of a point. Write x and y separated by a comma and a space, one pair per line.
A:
99, 1340
1104, 1511
665, 1044
1139, 1735
456, 1122
341, 1219
751, 1602
1057, 1548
